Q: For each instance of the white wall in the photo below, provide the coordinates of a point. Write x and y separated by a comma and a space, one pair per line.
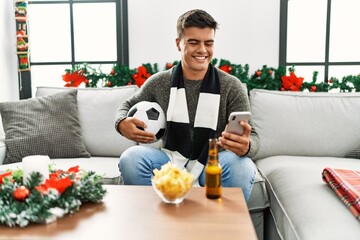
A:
248, 34
248, 30
8, 61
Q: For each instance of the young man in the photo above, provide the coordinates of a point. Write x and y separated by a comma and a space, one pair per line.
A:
197, 99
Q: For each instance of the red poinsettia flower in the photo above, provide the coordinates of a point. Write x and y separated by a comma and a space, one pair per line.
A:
55, 180
42, 189
169, 65
141, 76
292, 82
60, 184
226, 68
56, 174
74, 79
4, 175
74, 169
24, 60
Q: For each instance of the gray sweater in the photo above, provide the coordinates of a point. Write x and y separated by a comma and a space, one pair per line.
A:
233, 97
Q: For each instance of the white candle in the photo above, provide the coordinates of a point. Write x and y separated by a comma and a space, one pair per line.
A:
35, 163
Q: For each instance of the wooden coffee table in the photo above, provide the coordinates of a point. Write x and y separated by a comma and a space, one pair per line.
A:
136, 212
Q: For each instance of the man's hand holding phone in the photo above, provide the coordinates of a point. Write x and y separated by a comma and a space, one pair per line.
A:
236, 137
233, 125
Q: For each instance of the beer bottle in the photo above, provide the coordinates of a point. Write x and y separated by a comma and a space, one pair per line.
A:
213, 172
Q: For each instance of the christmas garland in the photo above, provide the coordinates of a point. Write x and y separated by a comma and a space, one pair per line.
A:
37, 202
265, 78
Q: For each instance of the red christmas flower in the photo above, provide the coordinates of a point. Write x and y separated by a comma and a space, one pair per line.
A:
141, 76
56, 174
226, 68
74, 173
74, 79
60, 184
74, 169
292, 82
42, 189
24, 60
4, 175
169, 65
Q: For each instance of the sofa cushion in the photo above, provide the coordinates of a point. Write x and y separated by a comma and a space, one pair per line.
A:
97, 107
303, 206
43, 126
305, 123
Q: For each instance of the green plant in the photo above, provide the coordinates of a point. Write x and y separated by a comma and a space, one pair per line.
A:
269, 78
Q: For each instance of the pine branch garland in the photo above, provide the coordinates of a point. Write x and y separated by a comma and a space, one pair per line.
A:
265, 78
63, 193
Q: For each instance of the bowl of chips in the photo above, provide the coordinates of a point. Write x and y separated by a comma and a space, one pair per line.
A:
171, 183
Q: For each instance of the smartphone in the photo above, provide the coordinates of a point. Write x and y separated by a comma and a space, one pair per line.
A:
233, 125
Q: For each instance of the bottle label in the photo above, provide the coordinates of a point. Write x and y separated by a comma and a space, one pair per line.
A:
213, 180
213, 186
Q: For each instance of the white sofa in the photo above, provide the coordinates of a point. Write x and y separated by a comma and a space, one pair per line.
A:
300, 133
97, 108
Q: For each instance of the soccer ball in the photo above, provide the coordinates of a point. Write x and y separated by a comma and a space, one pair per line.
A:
152, 114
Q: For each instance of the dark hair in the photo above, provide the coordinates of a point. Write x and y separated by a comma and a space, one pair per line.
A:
195, 18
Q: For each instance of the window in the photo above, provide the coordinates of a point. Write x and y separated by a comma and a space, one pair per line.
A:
320, 36
68, 32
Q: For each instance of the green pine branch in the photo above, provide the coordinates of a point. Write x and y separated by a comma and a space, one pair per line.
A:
269, 78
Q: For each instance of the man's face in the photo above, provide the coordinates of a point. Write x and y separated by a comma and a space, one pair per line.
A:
196, 46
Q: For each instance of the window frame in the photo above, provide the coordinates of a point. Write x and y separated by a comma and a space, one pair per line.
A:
122, 43
283, 43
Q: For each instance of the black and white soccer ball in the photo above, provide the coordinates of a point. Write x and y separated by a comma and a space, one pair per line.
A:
152, 114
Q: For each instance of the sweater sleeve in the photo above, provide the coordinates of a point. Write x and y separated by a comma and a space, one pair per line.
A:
237, 99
